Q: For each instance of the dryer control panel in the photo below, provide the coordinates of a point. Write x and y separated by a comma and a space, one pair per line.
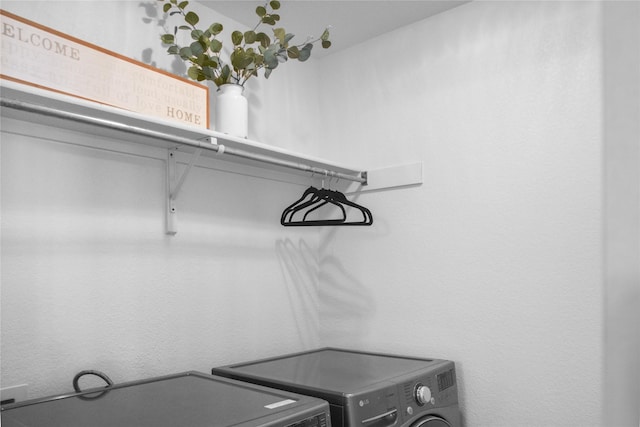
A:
401, 404
429, 392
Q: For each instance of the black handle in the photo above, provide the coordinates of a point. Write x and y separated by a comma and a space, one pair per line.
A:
99, 374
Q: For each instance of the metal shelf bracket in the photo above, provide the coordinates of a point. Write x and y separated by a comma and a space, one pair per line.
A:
174, 185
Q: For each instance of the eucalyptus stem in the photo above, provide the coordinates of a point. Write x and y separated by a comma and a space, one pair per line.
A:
204, 54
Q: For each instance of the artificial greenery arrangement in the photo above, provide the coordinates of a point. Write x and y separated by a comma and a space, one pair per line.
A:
253, 50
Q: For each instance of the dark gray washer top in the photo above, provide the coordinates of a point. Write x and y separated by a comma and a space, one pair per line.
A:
336, 370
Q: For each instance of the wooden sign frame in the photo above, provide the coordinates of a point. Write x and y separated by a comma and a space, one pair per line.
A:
39, 56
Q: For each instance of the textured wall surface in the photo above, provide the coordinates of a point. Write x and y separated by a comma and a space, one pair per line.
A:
496, 260
90, 280
621, 44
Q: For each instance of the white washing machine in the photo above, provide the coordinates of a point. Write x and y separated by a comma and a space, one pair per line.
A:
363, 389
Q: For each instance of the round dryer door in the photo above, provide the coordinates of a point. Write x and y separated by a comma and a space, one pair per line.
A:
431, 421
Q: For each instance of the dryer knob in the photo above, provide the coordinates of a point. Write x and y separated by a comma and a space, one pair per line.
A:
423, 394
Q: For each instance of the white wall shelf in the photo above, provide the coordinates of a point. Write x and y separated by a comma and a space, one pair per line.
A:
32, 104
185, 143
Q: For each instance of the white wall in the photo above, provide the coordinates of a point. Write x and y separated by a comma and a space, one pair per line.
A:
621, 68
90, 280
496, 261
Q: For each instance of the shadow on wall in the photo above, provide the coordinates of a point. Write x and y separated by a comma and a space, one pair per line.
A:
155, 16
323, 290
299, 265
345, 305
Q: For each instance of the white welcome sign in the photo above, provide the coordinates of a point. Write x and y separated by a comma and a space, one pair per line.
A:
40, 56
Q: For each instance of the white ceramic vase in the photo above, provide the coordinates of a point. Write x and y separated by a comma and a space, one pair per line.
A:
231, 111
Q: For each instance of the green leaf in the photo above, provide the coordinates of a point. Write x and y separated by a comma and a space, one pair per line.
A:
270, 59
236, 37
267, 72
224, 76
167, 38
195, 34
183, 4
326, 44
197, 48
288, 38
204, 41
184, 27
185, 53
192, 18
215, 28
240, 60
250, 37
264, 40
261, 11
305, 52
325, 34
268, 20
200, 60
208, 72
275, 4
293, 52
193, 72
216, 46
166, 7
280, 34
173, 50
211, 61
275, 16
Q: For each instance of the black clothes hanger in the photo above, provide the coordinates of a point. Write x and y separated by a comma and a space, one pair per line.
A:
311, 191
313, 199
366, 213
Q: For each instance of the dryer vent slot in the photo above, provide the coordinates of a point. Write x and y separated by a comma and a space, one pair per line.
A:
408, 392
446, 379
